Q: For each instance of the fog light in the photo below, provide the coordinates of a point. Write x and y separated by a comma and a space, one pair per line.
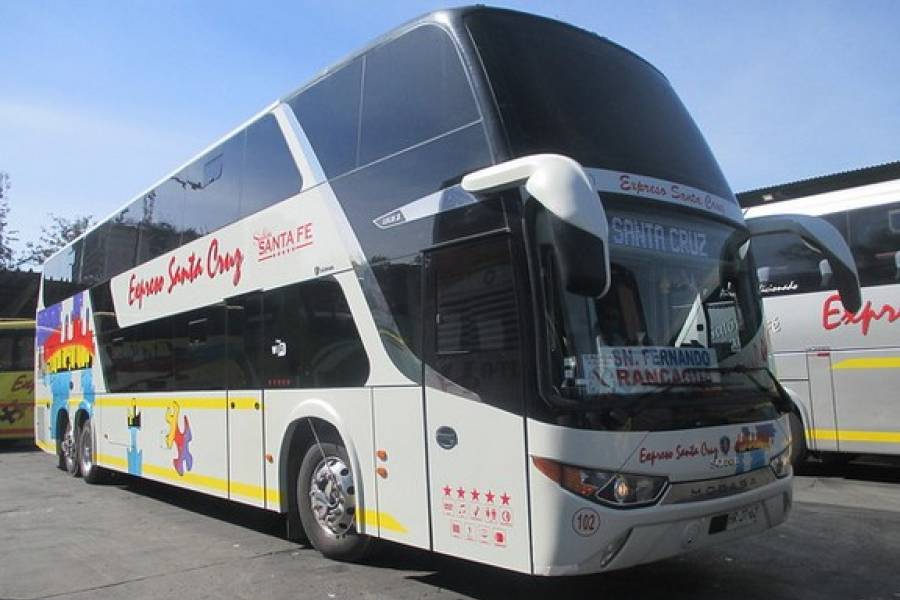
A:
612, 549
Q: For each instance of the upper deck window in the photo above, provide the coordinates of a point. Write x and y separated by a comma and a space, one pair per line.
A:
414, 89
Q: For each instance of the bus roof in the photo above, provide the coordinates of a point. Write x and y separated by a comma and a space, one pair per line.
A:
820, 185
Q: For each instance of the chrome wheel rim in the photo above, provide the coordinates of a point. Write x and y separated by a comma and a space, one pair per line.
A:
332, 496
68, 446
87, 453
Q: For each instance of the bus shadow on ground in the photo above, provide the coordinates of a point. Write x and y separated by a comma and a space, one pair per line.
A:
249, 517
17, 446
878, 469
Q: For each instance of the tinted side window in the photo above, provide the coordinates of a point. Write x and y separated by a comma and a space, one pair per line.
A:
329, 114
473, 336
270, 173
245, 341
122, 239
785, 265
212, 189
138, 358
875, 243
7, 343
199, 350
23, 351
312, 339
415, 88
61, 274
93, 262
163, 209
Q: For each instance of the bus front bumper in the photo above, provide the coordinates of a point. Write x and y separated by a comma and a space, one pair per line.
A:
626, 538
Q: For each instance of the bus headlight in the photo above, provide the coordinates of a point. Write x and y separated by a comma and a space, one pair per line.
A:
617, 490
781, 464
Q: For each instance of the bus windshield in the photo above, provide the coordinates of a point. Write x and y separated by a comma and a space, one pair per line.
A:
563, 90
680, 327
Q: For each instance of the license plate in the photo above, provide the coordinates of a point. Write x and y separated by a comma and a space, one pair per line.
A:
742, 517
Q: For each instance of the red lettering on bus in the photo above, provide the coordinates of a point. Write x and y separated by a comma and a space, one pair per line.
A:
139, 288
220, 263
187, 273
834, 314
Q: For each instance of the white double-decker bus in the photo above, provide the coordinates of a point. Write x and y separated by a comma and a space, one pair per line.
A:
481, 288
842, 366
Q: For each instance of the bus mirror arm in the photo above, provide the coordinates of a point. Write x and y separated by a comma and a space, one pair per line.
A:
577, 219
823, 237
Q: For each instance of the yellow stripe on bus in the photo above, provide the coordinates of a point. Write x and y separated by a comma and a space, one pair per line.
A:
192, 402
380, 518
46, 446
889, 437
880, 362
383, 520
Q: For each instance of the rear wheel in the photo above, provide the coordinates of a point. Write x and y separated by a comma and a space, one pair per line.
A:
69, 448
326, 501
86, 453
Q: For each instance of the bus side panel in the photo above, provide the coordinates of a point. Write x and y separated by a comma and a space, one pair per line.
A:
245, 447
177, 438
792, 371
400, 463
822, 401
476, 460
868, 415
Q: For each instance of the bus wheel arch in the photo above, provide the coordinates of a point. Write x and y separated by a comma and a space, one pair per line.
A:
318, 432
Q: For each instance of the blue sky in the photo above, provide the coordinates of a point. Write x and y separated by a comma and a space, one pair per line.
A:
98, 100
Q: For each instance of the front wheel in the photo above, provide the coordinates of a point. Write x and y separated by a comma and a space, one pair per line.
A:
326, 501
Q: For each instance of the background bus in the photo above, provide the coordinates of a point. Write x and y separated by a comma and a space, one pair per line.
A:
442, 295
16, 379
843, 368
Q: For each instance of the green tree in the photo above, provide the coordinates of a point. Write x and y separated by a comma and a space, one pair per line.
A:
7, 235
54, 236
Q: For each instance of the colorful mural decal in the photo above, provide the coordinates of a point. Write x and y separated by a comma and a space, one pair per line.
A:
180, 438
752, 446
135, 456
65, 343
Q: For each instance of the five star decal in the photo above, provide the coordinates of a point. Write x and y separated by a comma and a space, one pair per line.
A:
476, 495
479, 516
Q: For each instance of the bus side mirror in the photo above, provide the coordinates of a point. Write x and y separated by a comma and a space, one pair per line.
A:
821, 236
577, 219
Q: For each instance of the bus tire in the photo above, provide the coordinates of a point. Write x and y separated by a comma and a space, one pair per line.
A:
326, 501
60, 455
87, 452
69, 448
798, 441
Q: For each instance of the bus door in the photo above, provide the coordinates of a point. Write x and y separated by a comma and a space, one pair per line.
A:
245, 399
821, 393
474, 423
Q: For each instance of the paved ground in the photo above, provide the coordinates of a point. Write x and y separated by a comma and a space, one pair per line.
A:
60, 538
